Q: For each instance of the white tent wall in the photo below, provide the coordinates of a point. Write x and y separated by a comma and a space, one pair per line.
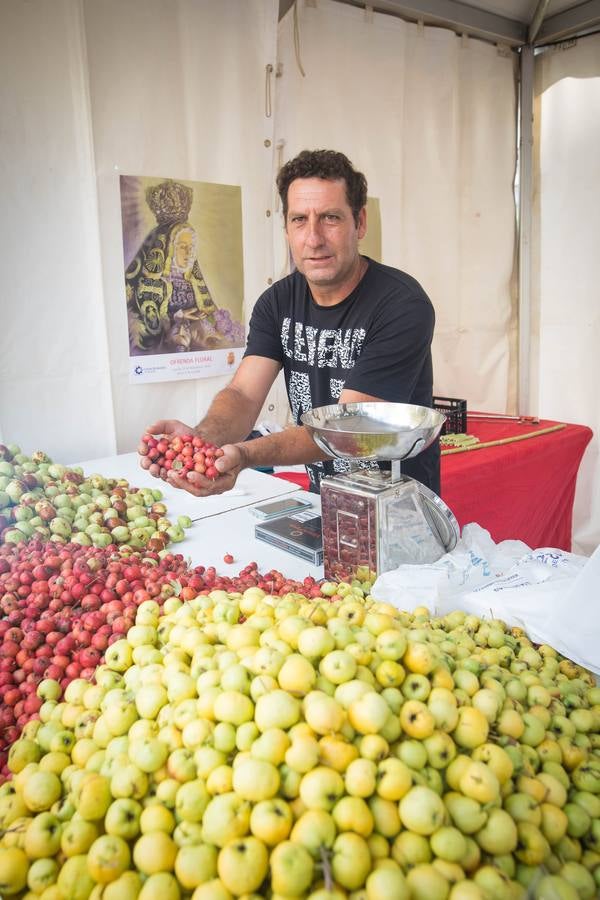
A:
565, 359
55, 387
90, 91
178, 89
430, 118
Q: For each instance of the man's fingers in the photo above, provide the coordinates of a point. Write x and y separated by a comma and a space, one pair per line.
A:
157, 428
183, 484
169, 427
225, 464
175, 480
200, 486
210, 486
198, 480
231, 459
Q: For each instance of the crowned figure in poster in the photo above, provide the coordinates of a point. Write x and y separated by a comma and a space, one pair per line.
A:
170, 307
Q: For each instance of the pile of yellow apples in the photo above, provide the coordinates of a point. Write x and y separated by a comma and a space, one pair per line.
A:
243, 745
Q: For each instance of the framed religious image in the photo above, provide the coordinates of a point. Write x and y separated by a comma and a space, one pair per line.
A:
184, 281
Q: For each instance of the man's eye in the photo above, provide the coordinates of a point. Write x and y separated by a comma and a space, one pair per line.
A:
331, 217
297, 220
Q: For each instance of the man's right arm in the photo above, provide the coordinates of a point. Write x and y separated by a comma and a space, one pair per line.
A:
230, 418
233, 412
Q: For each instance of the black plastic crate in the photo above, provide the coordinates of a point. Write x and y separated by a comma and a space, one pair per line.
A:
456, 414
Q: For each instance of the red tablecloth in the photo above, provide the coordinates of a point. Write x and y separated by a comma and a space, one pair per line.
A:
523, 490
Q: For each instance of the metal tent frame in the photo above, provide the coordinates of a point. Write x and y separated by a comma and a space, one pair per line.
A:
525, 26
521, 22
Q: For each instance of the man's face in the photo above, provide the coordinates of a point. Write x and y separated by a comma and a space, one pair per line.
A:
321, 231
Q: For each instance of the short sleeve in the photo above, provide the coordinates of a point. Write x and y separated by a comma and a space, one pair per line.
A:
263, 333
397, 350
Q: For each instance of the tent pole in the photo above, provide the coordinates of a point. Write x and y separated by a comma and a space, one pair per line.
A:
525, 226
538, 18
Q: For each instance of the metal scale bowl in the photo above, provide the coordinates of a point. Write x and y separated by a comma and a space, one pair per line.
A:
375, 520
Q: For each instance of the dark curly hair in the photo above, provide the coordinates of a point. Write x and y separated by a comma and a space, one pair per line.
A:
327, 164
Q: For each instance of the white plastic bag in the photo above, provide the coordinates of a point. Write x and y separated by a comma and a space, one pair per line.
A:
550, 593
475, 561
576, 618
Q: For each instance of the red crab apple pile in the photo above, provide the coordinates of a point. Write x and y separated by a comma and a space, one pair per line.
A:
184, 453
63, 606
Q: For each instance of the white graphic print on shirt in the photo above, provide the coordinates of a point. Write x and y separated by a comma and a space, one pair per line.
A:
336, 385
299, 391
331, 348
323, 348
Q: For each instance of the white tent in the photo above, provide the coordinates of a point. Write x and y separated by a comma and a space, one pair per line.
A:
423, 96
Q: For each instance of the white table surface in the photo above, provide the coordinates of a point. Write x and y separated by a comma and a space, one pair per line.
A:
208, 540
223, 523
251, 487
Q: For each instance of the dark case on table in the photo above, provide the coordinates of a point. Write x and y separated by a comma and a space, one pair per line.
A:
299, 534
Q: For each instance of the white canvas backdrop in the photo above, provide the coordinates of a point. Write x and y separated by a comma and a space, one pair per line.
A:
55, 389
429, 117
566, 335
89, 91
178, 89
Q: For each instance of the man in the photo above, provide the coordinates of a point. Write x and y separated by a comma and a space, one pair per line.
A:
343, 327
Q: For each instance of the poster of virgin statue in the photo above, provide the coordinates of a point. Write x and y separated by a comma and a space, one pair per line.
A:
182, 247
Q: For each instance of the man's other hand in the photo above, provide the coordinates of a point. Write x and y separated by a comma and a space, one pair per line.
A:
229, 467
170, 426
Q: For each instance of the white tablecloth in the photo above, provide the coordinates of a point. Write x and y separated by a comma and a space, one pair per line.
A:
223, 523
208, 540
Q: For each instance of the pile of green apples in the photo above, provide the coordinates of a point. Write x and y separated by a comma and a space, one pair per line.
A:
43, 500
246, 745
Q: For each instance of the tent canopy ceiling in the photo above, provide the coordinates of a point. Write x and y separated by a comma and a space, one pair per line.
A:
513, 22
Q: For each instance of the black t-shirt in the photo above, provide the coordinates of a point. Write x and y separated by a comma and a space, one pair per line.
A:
377, 341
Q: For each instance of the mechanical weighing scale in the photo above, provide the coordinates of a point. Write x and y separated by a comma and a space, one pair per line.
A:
375, 520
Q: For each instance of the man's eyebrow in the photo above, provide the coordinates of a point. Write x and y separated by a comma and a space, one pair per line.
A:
325, 212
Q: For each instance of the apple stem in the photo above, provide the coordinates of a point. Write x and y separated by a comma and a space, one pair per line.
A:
325, 862
264, 684
17, 830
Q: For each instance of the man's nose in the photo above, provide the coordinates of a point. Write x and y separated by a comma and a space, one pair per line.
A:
314, 233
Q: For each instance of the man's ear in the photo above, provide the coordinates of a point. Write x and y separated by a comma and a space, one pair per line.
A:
361, 227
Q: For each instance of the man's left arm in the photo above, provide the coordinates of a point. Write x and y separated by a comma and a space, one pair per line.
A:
350, 396
396, 357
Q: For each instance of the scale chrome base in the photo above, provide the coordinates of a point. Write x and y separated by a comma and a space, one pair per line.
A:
372, 520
